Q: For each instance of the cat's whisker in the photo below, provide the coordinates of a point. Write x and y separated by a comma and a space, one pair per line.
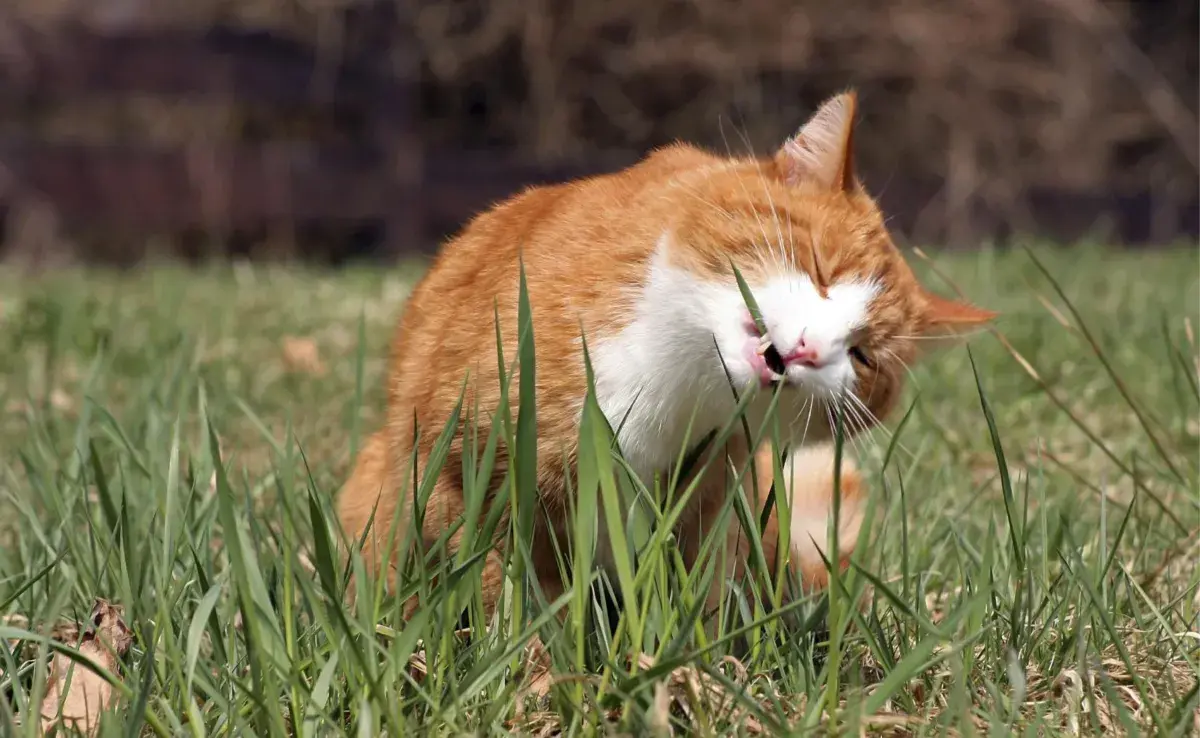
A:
791, 424
700, 199
870, 424
859, 431
692, 191
858, 423
791, 434
859, 406
812, 401
845, 399
871, 394
847, 433
746, 192
762, 179
776, 263
832, 420
851, 428
957, 336
766, 188
877, 423
908, 370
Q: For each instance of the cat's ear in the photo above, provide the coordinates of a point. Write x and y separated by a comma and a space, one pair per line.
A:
950, 319
823, 149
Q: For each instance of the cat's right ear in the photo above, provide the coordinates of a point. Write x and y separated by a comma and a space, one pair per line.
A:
945, 320
822, 151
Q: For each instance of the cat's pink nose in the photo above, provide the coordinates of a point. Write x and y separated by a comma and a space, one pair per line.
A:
805, 353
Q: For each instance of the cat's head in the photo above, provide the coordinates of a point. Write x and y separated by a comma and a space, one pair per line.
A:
844, 313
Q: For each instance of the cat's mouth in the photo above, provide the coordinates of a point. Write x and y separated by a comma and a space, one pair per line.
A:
776, 369
773, 360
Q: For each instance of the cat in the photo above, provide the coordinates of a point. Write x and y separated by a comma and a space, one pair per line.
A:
638, 262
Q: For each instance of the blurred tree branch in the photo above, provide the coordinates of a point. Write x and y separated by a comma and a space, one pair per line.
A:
987, 98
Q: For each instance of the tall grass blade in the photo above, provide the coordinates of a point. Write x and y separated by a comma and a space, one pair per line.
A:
1015, 533
1119, 383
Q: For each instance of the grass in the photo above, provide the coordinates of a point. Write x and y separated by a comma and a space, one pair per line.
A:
1031, 565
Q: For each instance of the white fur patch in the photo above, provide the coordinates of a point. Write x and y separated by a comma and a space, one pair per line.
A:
793, 308
664, 367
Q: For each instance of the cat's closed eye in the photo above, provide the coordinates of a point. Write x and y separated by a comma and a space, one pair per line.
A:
860, 356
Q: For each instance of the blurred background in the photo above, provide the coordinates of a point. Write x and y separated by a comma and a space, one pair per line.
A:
332, 130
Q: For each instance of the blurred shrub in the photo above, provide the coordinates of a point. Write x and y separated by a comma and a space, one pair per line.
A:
987, 98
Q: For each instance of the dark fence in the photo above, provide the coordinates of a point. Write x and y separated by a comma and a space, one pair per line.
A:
367, 184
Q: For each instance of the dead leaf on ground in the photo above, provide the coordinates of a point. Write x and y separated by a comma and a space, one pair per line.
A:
418, 668
61, 632
660, 711
302, 355
82, 694
690, 689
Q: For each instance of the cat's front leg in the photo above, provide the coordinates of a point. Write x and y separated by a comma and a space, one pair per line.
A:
808, 475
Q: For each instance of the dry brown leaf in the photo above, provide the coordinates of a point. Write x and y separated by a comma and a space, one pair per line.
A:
76, 696
61, 632
689, 688
417, 666
660, 711
302, 355
892, 725
418, 669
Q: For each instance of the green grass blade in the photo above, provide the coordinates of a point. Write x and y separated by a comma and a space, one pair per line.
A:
1015, 533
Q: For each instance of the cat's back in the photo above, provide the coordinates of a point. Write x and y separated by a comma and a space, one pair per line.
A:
559, 229
576, 241
582, 245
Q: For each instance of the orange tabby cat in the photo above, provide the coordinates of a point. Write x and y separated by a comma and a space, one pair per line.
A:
639, 261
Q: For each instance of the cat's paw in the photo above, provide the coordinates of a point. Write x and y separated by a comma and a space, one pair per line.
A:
808, 474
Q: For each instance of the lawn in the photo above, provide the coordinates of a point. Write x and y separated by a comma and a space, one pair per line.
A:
1040, 577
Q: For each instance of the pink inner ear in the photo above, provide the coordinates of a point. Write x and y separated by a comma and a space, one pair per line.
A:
823, 150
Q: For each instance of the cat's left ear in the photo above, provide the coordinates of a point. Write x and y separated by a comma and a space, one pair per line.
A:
950, 319
823, 150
